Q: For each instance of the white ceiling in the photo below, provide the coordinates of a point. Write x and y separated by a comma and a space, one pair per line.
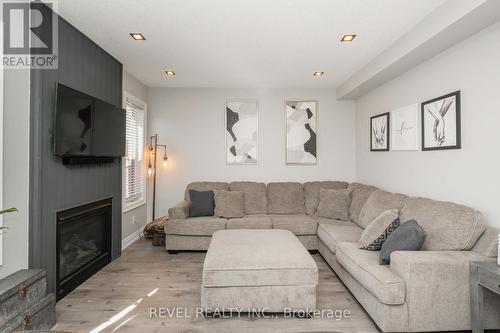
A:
244, 43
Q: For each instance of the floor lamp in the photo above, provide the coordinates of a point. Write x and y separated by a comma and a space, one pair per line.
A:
153, 151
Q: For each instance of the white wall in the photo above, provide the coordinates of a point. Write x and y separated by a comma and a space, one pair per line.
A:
471, 175
191, 123
135, 219
15, 178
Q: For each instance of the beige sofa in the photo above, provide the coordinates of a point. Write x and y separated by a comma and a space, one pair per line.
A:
425, 290
289, 206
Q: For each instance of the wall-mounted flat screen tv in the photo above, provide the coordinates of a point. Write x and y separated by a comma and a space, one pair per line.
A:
87, 126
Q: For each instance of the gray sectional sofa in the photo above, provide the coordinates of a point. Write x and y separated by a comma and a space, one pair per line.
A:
425, 290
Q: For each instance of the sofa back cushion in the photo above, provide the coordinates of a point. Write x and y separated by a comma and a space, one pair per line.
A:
378, 202
359, 193
285, 198
254, 196
228, 204
449, 226
334, 204
311, 193
204, 186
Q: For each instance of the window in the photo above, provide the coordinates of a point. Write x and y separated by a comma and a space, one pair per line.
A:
134, 177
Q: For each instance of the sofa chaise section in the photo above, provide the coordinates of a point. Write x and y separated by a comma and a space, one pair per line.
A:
389, 318
425, 290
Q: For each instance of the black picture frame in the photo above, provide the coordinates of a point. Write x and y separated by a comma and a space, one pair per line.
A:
387, 133
458, 125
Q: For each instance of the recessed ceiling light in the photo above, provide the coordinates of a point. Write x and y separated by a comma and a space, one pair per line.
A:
137, 36
319, 73
170, 73
348, 38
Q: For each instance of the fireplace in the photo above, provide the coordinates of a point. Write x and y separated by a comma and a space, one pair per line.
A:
83, 244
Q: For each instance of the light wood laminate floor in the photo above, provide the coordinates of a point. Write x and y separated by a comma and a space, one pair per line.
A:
120, 297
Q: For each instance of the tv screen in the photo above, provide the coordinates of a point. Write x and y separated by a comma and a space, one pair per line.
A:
87, 126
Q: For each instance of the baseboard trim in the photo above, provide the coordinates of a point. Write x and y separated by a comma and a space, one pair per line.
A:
127, 241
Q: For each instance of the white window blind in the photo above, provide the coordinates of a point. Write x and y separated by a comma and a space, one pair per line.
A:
134, 160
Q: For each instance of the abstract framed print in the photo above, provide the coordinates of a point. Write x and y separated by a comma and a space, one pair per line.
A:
242, 132
301, 132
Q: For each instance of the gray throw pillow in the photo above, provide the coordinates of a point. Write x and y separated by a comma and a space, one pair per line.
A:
202, 203
378, 230
408, 237
228, 204
334, 204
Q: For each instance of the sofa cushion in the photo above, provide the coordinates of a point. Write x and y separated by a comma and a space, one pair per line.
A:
311, 193
254, 196
359, 193
331, 234
201, 203
204, 186
377, 232
300, 225
250, 222
363, 265
408, 237
449, 226
228, 204
378, 202
285, 198
324, 220
334, 204
195, 226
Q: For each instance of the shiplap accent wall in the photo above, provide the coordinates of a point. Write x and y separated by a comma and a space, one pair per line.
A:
84, 66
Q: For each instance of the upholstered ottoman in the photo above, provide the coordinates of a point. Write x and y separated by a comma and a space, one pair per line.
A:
258, 270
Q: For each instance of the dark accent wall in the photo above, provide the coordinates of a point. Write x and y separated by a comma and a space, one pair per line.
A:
84, 66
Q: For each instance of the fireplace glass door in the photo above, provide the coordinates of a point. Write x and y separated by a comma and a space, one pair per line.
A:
84, 243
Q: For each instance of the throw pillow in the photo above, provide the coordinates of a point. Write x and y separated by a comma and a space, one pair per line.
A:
334, 204
408, 237
378, 230
202, 203
228, 204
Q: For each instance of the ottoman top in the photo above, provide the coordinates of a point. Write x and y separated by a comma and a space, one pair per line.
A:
255, 249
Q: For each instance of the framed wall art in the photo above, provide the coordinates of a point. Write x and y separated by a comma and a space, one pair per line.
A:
301, 132
379, 132
404, 128
441, 125
242, 132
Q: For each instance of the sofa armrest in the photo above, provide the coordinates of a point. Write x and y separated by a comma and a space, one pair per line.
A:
437, 287
179, 211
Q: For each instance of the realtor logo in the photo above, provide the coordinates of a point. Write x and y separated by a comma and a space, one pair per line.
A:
29, 35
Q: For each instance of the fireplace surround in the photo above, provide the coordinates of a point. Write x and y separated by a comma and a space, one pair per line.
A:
83, 243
